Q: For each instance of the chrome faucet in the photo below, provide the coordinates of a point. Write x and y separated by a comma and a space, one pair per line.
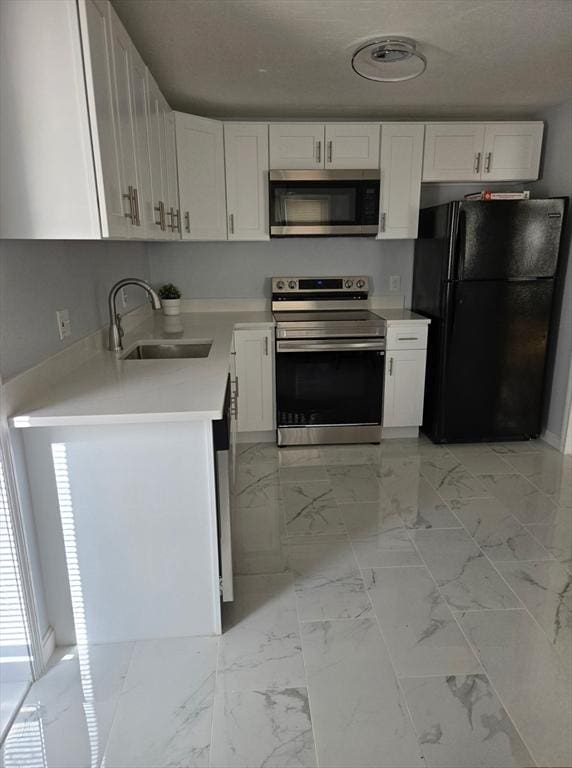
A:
115, 329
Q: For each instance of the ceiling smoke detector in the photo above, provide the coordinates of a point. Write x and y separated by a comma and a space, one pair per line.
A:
389, 60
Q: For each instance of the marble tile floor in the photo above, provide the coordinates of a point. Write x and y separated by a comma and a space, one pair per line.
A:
399, 605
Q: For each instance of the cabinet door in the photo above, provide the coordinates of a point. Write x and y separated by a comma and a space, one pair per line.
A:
173, 214
47, 177
512, 151
143, 199
156, 210
404, 387
98, 40
200, 160
453, 151
121, 46
254, 372
246, 161
296, 145
352, 145
401, 164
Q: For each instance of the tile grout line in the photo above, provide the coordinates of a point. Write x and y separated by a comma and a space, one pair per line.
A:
456, 614
516, 562
218, 652
395, 674
477, 656
305, 671
114, 717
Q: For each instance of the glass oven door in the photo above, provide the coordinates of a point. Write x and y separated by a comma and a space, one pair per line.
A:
329, 382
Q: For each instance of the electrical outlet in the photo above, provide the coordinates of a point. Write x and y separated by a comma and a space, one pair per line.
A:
394, 283
64, 323
124, 299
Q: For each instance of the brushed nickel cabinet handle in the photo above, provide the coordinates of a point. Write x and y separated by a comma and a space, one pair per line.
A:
231, 223
391, 366
382, 223
131, 213
187, 221
488, 157
407, 338
318, 151
266, 346
330, 151
477, 164
160, 209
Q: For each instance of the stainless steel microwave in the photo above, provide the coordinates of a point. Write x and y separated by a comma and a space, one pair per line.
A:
324, 203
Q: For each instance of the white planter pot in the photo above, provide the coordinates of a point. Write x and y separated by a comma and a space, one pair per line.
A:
171, 306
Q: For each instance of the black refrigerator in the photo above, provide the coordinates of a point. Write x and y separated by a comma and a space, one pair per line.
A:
484, 273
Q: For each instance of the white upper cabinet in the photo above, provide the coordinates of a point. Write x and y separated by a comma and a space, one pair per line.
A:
512, 151
121, 55
47, 183
98, 42
142, 198
246, 158
352, 145
173, 213
314, 145
296, 145
453, 151
200, 161
255, 376
482, 151
400, 169
156, 209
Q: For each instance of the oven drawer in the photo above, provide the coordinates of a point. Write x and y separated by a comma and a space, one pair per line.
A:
412, 336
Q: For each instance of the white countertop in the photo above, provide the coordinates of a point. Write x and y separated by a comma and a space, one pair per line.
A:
400, 316
109, 390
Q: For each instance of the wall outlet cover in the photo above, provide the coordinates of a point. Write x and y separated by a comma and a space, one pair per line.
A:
64, 323
395, 283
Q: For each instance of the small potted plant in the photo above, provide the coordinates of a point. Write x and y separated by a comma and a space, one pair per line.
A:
170, 297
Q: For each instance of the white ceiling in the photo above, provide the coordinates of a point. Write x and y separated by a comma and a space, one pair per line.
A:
291, 58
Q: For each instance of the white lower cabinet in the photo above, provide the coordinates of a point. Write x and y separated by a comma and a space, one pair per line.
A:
404, 380
404, 387
254, 361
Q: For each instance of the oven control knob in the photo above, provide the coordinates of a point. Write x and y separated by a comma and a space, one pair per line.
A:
360, 283
292, 284
349, 283
280, 285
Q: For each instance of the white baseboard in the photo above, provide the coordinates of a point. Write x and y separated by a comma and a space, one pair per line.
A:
257, 437
392, 432
48, 645
554, 441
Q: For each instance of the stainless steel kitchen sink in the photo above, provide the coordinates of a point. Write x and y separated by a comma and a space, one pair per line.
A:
166, 351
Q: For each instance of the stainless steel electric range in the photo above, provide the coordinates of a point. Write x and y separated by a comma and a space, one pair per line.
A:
329, 361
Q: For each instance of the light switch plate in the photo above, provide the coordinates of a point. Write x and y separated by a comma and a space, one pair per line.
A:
394, 283
64, 323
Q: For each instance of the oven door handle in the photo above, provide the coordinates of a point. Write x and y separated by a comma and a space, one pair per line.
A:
331, 345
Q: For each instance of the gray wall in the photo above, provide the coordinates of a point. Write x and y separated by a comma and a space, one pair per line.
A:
243, 270
38, 277
556, 180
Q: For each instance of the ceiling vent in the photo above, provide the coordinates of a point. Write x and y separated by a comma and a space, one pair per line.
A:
389, 60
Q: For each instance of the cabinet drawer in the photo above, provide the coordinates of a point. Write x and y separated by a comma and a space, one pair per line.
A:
407, 337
